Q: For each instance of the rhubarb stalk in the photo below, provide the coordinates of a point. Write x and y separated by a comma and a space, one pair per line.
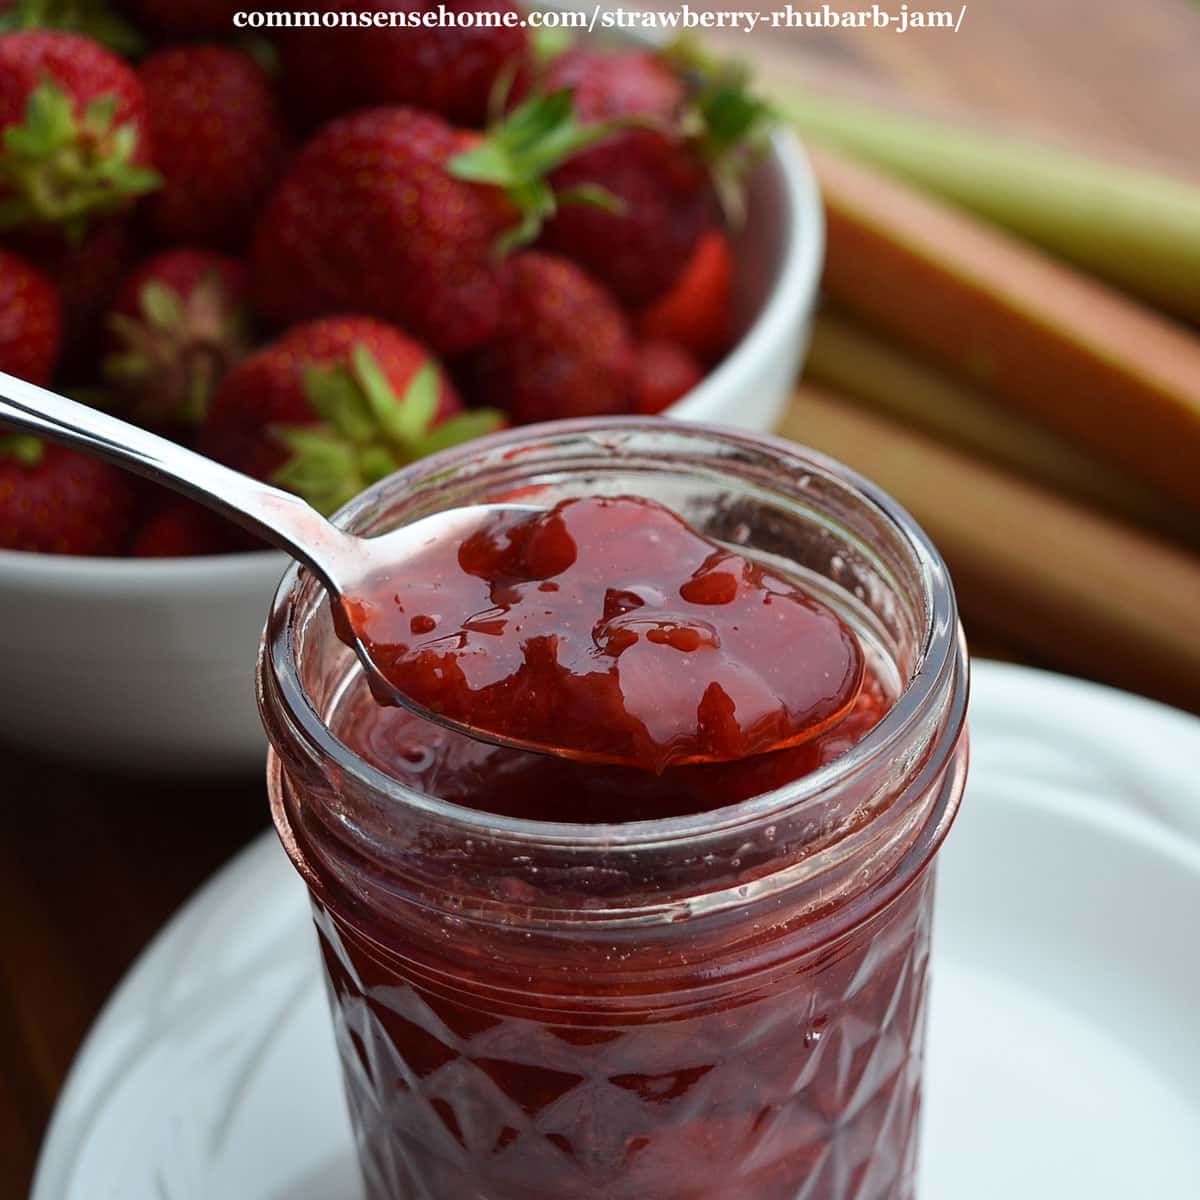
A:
1136, 228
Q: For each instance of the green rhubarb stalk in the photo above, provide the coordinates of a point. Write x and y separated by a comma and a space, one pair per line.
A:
862, 366
1136, 228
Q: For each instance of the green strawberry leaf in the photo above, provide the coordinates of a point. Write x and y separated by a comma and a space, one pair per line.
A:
369, 375
548, 42
122, 142
374, 387
536, 204
60, 168
593, 196
728, 124
463, 427
133, 180
487, 162
124, 366
366, 432
49, 122
375, 463
520, 151
161, 305
334, 395
22, 448
321, 467
410, 420
98, 116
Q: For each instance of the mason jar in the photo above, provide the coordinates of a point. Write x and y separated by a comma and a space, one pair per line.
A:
717, 1005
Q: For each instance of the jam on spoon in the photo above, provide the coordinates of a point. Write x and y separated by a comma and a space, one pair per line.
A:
609, 631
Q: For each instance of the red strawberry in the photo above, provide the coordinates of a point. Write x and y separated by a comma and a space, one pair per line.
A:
663, 374
218, 139
74, 133
565, 349
333, 406
180, 529
87, 273
30, 320
368, 219
446, 69
664, 201
697, 310
57, 501
178, 326
72, 153
184, 18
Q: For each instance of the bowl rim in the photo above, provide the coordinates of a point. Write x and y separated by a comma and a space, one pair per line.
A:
794, 288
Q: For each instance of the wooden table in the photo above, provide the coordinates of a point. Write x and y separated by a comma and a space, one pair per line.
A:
91, 866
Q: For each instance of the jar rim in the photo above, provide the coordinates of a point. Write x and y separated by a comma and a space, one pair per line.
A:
937, 655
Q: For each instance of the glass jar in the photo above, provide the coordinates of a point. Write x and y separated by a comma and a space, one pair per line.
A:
723, 1006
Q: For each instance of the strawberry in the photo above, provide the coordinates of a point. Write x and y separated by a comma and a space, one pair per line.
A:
663, 373
87, 273
30, 320
445, 69
184, 18
72, 157
75, 141
663, 199
218, 138
696, 312
691, 131
333, 406
179, 324
565, 349
179, 528
369, 219
58, 501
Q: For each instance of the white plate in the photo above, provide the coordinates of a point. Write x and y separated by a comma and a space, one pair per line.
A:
1065, 1027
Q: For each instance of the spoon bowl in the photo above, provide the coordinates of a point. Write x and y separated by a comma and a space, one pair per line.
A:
352, 568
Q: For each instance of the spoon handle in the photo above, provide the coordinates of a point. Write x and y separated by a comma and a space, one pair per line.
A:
277, 516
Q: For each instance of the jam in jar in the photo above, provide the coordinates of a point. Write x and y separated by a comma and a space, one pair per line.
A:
689, 974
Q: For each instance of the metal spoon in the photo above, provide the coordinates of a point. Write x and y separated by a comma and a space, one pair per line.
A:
344, 564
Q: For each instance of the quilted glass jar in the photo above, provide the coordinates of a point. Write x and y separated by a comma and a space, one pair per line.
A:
719, 1006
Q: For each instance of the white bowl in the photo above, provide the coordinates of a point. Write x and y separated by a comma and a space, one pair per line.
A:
148, 664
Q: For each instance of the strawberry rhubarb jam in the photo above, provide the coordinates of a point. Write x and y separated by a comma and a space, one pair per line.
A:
606, 630
689, 961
